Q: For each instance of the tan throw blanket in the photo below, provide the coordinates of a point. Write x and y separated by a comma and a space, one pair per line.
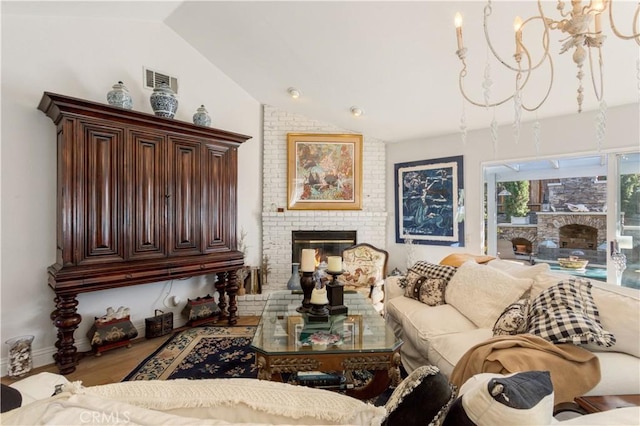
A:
574, 370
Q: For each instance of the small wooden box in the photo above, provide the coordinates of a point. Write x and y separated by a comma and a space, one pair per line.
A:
201, 310
158, 325
111, 334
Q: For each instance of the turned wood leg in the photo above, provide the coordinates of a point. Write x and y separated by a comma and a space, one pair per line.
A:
221, 287
66, 319
232, 290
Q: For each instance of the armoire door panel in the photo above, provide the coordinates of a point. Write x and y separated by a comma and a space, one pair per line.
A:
215, 199
148, 196
183, 197
103, 193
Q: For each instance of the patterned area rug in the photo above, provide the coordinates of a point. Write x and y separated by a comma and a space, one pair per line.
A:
201, 353
215, 352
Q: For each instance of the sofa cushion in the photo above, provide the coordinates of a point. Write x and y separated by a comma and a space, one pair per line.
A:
618, 308
566, 313
620, 374
544, 280
446, 350
481, 293
515, 399
518, 269
619, 416
513, 320
433, 321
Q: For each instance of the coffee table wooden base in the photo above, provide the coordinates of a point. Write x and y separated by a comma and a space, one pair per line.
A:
595, 404
385, 365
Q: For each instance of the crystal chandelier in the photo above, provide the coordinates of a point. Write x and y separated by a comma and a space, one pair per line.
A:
582, 25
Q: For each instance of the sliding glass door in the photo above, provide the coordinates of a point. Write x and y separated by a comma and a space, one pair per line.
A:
624, 228
579, 214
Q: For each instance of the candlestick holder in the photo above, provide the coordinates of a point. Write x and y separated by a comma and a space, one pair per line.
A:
307, 283
335, 293
319, 302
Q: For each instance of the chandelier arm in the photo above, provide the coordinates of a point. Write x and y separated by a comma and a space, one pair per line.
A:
599, 93
545, 45
487, 12
635, 35
546, 95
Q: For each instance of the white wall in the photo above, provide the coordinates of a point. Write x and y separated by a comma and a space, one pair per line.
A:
369, 223
84, 58
559, 136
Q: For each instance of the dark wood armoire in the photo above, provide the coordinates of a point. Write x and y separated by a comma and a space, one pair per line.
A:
140, 199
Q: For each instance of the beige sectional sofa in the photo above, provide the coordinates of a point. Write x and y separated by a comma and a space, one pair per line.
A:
440, 335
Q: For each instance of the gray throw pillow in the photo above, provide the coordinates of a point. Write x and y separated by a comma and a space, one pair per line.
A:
516, 399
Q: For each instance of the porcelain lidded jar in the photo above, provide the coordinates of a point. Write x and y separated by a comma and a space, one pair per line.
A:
163, 101
201, 117
119, 96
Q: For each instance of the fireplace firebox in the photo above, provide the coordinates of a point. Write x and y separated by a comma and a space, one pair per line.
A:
326, 243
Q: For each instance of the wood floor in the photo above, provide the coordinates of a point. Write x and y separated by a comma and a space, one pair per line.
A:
112, 366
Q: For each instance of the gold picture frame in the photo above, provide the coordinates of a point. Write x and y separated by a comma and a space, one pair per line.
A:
324, 171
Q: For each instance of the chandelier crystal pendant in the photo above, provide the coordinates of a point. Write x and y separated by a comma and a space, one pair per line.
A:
582, 25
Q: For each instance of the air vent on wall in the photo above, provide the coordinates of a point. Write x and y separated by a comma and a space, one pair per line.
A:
153, 78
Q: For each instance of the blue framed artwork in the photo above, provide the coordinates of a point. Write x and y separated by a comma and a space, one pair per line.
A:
430, 201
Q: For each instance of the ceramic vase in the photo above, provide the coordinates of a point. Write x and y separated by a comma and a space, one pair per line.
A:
163, 101
201, 117
119, 96
294, 281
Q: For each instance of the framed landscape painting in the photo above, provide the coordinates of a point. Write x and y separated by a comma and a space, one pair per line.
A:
429, 204
324, 171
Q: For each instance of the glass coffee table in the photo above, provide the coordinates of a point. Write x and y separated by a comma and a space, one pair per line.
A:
287, 341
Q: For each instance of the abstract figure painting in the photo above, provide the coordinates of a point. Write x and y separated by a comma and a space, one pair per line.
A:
324, 172
430, 202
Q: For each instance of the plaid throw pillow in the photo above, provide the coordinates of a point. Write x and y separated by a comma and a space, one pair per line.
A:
429, 270
566, 313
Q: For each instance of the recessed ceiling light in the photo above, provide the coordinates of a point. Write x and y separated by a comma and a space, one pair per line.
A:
293, 92
356, 111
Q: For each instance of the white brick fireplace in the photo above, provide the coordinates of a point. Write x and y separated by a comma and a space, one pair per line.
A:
370, 222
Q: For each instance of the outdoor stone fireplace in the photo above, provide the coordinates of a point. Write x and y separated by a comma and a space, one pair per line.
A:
578, 236
558, 234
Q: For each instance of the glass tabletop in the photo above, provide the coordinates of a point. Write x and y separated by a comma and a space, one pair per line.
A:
283, 330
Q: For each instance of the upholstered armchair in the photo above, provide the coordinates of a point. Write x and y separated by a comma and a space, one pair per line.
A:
365, 268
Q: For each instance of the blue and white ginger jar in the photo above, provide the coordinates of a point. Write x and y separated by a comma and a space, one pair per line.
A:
119, 96
201, 117
163, 101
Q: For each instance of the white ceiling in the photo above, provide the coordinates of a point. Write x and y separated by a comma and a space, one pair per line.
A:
395, 60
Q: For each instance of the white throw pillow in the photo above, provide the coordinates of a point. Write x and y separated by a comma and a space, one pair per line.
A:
481, 293
38, 386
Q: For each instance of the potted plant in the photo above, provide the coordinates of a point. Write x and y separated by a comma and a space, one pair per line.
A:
516, 205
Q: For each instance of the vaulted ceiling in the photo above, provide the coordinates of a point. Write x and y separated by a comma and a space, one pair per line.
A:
395, 60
